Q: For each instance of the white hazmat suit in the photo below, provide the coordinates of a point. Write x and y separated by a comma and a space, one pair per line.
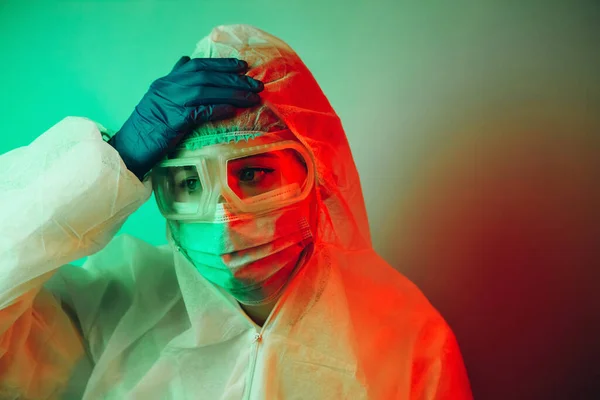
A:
139, 322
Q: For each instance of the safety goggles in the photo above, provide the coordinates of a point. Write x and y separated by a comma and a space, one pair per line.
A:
247, 179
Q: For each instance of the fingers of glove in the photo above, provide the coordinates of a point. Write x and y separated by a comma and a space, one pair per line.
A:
213, 112
182, 61
232, 65
219, 79
206, 95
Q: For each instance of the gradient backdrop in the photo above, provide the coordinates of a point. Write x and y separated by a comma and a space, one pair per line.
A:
476, 130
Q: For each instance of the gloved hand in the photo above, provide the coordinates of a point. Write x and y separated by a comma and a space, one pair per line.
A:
195, 91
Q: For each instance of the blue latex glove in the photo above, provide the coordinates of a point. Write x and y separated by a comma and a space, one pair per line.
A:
195, 91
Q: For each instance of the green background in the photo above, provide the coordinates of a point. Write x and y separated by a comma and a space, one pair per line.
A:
474, 125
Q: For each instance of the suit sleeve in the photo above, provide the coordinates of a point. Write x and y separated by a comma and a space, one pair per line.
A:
439, 372
62, 197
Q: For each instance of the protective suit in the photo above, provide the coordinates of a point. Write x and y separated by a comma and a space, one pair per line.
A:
140, 322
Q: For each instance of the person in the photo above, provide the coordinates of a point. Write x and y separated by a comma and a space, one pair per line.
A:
268, 288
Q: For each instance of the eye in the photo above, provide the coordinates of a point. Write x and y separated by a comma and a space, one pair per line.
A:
190, 184
253, 175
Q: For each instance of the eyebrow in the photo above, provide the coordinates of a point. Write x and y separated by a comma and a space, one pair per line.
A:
271, 156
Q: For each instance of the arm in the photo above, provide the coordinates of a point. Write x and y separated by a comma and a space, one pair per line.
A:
66, 195
62, 197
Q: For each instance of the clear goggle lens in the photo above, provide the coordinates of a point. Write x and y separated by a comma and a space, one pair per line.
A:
251, 181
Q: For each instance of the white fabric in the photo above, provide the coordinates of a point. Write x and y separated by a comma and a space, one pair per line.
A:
139, 322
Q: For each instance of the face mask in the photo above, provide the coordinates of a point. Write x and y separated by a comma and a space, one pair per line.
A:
252, 259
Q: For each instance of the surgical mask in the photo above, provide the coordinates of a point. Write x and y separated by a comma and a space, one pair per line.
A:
252, 259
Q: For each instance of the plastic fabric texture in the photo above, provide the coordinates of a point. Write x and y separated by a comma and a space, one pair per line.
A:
64, 196
139, 322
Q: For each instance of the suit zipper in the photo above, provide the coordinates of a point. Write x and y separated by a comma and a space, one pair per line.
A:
256, 342
258, 337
